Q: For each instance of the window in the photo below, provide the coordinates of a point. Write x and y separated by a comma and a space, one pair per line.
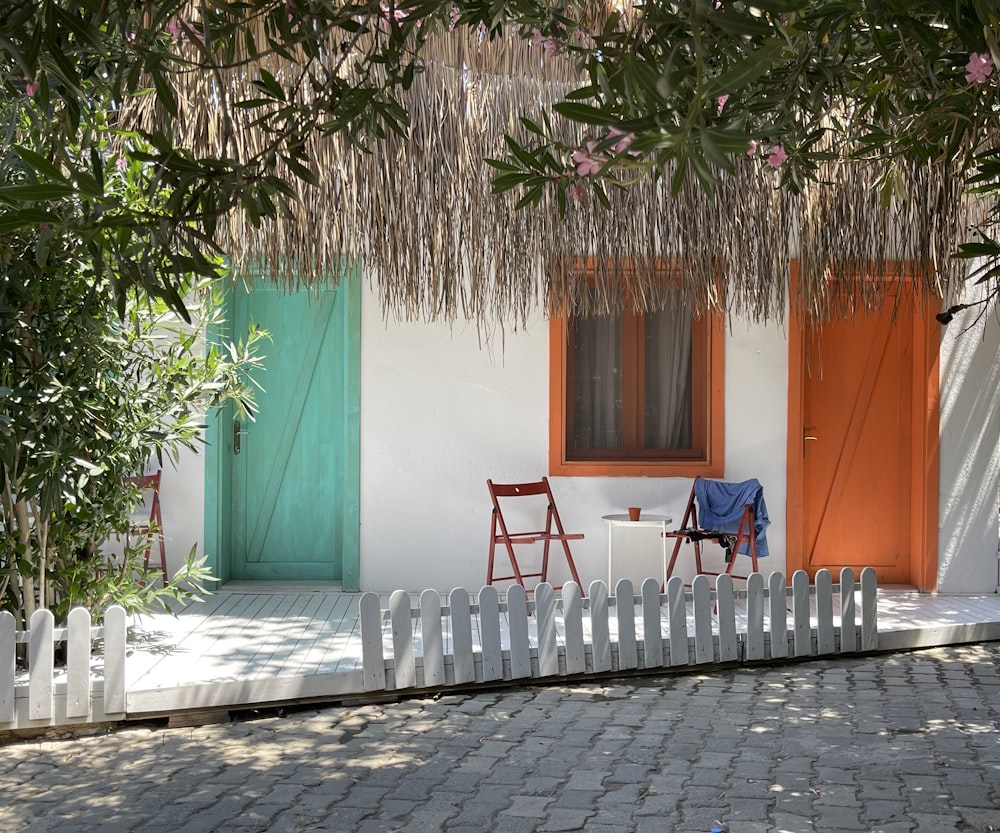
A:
637, 394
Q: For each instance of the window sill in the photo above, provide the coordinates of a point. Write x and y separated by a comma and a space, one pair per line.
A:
635, 468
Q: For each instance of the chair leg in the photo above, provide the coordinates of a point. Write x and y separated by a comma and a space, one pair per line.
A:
513, 563
572, 566
493, 548
673, 558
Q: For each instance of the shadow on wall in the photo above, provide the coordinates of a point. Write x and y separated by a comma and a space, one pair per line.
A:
970, 454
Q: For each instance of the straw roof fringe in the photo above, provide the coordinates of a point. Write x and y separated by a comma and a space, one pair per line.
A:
418, 216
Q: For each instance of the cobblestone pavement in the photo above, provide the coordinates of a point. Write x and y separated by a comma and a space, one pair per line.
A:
906, 742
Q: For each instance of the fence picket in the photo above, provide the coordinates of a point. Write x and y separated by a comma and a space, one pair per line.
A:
725, 605
463, 662
372, 658
869, 610
652, 639
41, 664
848, 629
628, 653
600, 632
489, 632
431, 638
701, 594
825, 641
115, 639
778, 615
801, 633
755, 617
403, 650
545, 611
8, 665
78, 663
677, 616
517, 619
576, 657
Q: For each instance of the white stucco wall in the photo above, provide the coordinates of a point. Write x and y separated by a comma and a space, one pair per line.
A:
429, 441
182, 503
970, 453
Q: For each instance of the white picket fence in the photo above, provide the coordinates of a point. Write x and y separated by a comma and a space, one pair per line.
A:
433, 646
55, 695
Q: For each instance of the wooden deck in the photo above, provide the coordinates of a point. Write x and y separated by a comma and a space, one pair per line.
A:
244, 646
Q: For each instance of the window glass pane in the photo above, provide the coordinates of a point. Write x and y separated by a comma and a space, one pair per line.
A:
595, 388
667, 418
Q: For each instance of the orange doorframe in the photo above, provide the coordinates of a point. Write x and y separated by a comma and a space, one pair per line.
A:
925, 446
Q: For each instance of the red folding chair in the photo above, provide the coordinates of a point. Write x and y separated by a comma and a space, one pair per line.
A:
500, 532
153, 527
737, 534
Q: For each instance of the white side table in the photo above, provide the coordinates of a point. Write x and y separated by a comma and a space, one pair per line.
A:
645, 519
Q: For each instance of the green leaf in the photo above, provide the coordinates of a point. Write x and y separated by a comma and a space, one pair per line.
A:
532, 197
38, 192
585, 113
39, 163
300, 170
269, 84
520, 154
745, 72
164, 93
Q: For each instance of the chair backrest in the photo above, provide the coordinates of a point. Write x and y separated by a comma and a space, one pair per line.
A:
149, 483
527, 511
540, 487
722, 504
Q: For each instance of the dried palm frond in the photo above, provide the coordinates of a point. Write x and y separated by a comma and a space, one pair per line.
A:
418, 216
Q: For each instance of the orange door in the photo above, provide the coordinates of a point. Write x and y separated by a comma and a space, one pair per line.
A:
860, 462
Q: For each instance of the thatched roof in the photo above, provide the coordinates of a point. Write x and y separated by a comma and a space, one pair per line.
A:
419, 217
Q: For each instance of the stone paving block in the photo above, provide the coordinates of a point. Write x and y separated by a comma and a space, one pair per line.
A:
839, 818
739, 826
792, 822
577, 799
879, 790
891, 827
751, 788
749, 809
934, 823
979, 819
978, 797
883, 810
702, 819
528, 805
563, 819
587, 779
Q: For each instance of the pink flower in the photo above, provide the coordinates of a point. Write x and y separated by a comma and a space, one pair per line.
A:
453, 16
776, 157
549, 44
174, 29
722, 101
397, 13
752, 148
979, 68
30, 88
587, 162
624, 139
121, 163
577, 192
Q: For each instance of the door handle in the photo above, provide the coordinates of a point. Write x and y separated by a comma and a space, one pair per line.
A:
237, 434
804, 438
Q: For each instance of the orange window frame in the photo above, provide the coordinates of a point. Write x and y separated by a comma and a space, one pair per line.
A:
705, 458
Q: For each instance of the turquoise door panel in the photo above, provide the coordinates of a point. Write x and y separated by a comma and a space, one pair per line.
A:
294, 470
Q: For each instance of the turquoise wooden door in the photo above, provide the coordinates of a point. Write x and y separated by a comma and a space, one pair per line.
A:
291, 512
